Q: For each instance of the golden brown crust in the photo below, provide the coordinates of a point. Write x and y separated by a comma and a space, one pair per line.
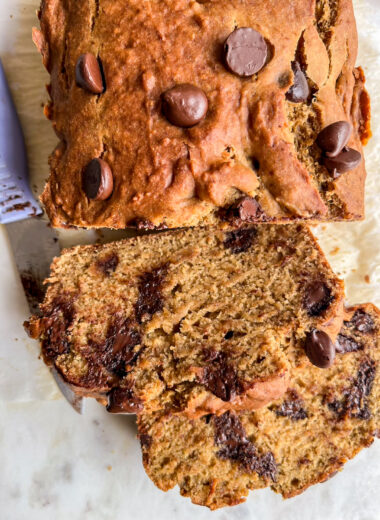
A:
179, 177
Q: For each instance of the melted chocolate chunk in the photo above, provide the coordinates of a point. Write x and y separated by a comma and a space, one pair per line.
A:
245, 52
118, 350
344, 344
219, 377
150, 299
240, 240
266, 466
230, 436
145, 441
123, 401
108, 264
292, 408
362, 322
56, 325
354, 402
299, 92
317, 298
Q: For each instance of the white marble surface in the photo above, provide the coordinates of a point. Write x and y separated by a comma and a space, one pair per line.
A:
58, 465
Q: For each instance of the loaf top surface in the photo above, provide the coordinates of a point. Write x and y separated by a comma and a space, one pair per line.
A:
163, 120
189, 320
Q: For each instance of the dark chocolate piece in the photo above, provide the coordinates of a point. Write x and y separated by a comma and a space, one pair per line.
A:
185, 105
240, 240
319, 349
333, 138
317, 298
88, 74
231, 437
220, 377
123, 401
299, 92
97, 180
56, 324
354, 402
245, 52
344, 344
108, 264
150, 298
362, 322
292, 407
348, 159
119, 348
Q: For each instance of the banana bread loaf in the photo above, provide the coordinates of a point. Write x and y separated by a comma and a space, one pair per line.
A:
190, 321
214, 112
326, 418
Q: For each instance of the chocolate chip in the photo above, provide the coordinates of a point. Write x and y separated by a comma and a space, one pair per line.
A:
150, 298
344, 344
231, 437
317, 298
362, 322
219, 376
348, 159
292, 407
319, 349
88, 74
333, 138
184, 105
299, 92
123, 401
108, 264
240, 240
245, 52
244, 210
97, 180
143, 224
229, 430
247, 209
355, 398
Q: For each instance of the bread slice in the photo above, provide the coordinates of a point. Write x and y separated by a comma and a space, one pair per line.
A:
326, 418
189, 321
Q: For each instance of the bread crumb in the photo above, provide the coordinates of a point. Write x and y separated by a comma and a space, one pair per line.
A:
109, 468
335, 251
367, 278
